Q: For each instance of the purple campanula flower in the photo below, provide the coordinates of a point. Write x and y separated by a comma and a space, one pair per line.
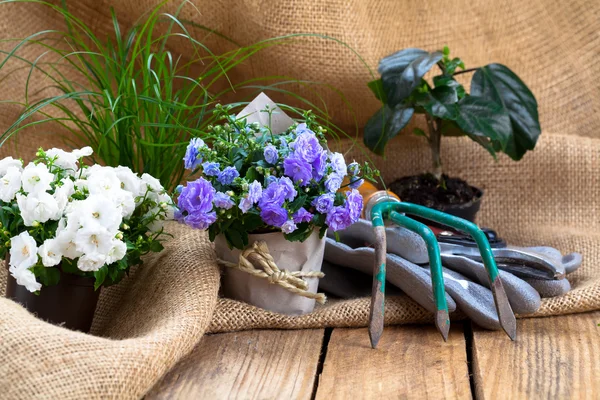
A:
227, 176
288, 226
274, 215
324, 203
271, 154
245, 204
319, 165
223, 200
338, 164
283, 144
254, 191
193, 158
303, 128
297, 169
196, 197
354, 204
211, 168
288, 187
333, 182
356, 183
354, 168
302, 216
338, 218
274, 194
270, 179
200, 220
307, 147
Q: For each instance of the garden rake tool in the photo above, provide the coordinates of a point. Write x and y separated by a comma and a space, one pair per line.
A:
393, 210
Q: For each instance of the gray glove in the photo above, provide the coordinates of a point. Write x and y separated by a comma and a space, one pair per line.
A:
465, 279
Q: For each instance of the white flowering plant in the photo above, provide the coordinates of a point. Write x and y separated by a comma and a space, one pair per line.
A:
253, 181
60, 216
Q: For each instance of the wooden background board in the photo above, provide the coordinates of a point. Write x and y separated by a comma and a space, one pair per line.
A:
552, 358
261, 364
409, 362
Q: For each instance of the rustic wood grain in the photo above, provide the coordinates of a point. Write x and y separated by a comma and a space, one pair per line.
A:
552, 358
261, 364
409, 362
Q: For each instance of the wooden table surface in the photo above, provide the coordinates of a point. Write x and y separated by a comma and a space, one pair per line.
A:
552, 358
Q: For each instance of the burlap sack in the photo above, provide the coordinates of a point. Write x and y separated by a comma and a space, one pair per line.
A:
552, 197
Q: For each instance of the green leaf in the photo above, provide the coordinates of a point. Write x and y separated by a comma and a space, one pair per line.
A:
450, 128
481, 118
156, 246
297, 203
384, 125
419, 132
322, 231
301, 233
399, 85
234, 238
252, 222
376, 87
397, 62
440, 102
252, 175
496, 82
100, 276
46, 276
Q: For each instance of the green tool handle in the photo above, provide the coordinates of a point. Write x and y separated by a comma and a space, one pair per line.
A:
433, 251
383, 209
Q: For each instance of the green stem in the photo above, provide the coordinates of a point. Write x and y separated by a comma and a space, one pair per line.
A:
435, 139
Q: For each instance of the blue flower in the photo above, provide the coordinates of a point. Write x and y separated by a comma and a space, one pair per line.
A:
274, 194
354, 168
303, 128
193, 158
196, 197
211, 168
297, 169
333, 182
223, 200
338, 218
324, 202
253, 196
200, 220
307, 147
338, 164
270, 179
271, 154
302, 216
288, 187
227, 176
319, 166
354, 204
288, 227
274, 215
356, 183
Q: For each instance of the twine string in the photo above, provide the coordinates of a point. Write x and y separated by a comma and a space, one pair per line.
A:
257, 261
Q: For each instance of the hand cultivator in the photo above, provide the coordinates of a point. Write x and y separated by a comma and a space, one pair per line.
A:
393, 210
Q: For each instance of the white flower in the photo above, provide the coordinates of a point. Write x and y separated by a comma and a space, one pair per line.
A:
338, 164
50, 252
8, 162
10, 184
65, 160
67, 246
117, 251
95, 209
129, 180
124, 202
103, 181
25, 277
152, 183
37, 207
91, 262
83, 152
36, 178
62, 194
93, 238
23, 251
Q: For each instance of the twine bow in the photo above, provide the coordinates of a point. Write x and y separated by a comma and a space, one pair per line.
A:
257, 261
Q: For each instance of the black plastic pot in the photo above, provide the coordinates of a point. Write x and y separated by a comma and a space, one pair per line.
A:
468, 210
71, 303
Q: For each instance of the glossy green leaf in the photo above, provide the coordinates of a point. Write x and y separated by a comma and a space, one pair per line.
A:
440, 102
397, 62
376, 87
480, 117
46, 276
384, 125
498, 83
100, 276
399, 85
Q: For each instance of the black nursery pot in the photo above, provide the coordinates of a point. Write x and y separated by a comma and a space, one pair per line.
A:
468, 210
71, 303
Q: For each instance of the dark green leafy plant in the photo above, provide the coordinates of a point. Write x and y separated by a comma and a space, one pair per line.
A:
500, 113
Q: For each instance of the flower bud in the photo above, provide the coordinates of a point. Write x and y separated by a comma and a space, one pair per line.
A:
230, 192
125, 227
119, 236
163, 205
35, 224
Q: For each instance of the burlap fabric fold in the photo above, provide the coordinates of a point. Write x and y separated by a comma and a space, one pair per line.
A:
141, 328
552, 197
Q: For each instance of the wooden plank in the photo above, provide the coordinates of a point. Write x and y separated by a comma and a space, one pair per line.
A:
409, 362
258, 364
552, 358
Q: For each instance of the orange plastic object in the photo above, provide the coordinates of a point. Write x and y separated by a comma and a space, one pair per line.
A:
368, 191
